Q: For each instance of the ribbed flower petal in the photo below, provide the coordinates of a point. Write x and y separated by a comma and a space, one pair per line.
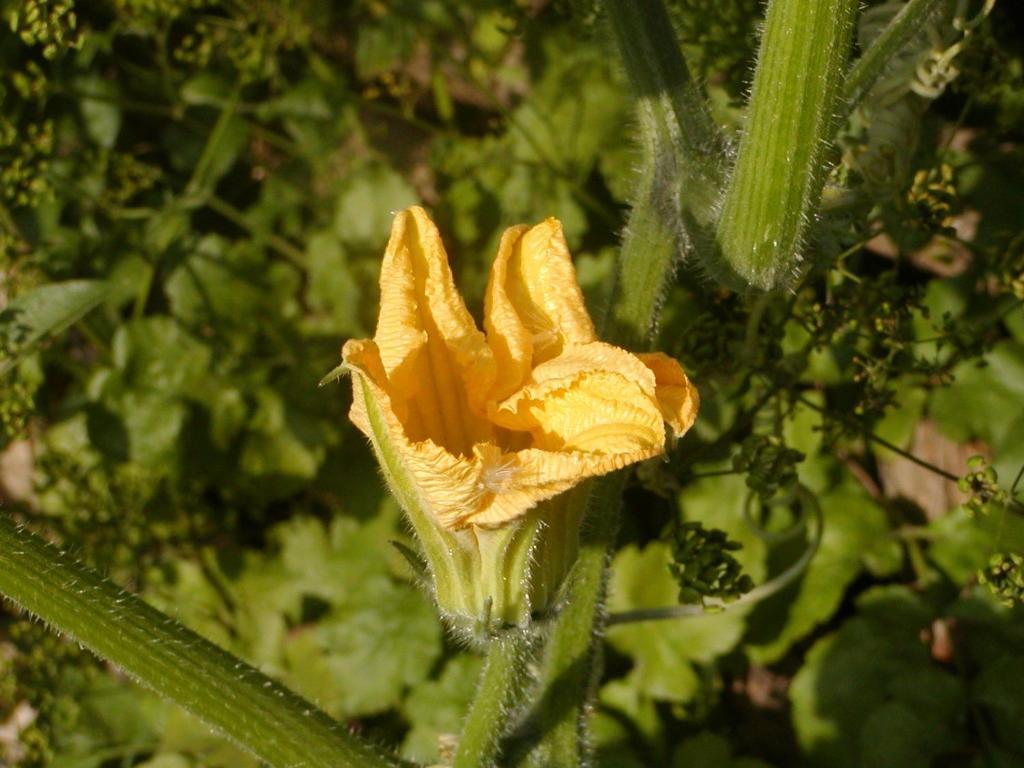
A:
534, 306
526, 478
446, 486
363, 356
435, 358
478, 432
509, 338
593, 398
677, 397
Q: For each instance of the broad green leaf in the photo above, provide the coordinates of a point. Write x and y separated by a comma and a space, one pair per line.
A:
962, 544
664, 652
897, 426
436, 708
205, 89
366, 204
855, 536
333, 563
101, 110
873, 684
157, 354
380, 641
282, 449
624, 711
107, 713
721, 503
379, 46
46, 310
709, 750
982, 396
576, 108
332, 291
218, 286
152, 423
1000, 702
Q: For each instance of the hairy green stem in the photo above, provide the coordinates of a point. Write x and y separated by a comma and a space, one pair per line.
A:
570, 666
501, 687
677, 195
774, 190
254, 711
873, 62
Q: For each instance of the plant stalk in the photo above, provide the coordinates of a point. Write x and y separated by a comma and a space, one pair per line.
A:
556, 731
775, 187
502, 685
255, 712
682, 172
872, 64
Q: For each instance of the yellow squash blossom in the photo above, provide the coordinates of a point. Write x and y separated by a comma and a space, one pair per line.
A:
485, 425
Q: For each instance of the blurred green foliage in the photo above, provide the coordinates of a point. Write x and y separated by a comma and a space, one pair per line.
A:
194, 196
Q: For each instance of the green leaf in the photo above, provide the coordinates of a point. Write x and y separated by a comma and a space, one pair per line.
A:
576, 108
366, 205
152, 423
961, 544
218, 285
205, 89
897, 425
332, 290
624, 710
336, 563
107, 712
993, 389
436, 708
101, 110
1000, 702
709, 750
282, 449
870, 693
664, 652
377, 643
378, 47
46, 310
855, 535
721, 503
157, 354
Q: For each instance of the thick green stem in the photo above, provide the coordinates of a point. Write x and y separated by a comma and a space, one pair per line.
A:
256, 712
680, 180
873, 62
502, 684
774, 190
556, 730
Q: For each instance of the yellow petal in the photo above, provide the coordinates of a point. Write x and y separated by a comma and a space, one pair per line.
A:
534, 306
421, 473
489, 488
519, 481
363, 356
507, 335
677, 397
593, 398
436, 359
